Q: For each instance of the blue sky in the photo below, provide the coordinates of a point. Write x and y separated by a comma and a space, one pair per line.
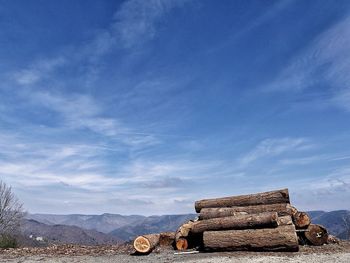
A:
143, 107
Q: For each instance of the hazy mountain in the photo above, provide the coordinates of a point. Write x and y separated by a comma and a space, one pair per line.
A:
104, 223
152, 224
123, 227
127, 227
63, 234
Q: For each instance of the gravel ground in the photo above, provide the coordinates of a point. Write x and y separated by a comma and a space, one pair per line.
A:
335, 253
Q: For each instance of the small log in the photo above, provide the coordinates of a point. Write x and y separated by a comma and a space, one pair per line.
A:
284, 220
146, 243
301, 220
317, 235
166, 239
282, 238
182, 244
281, 209
272, 197
261, 220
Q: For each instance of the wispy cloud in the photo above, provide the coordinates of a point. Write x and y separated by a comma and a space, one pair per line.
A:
324, 63
274, 147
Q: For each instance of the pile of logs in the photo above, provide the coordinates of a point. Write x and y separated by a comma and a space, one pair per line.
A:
261, 222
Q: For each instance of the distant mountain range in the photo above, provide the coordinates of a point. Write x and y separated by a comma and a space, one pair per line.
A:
114, 228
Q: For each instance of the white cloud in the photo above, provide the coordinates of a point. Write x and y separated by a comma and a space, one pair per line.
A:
274, 147
325, 63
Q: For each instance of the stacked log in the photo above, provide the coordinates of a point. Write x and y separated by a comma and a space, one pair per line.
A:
261, 222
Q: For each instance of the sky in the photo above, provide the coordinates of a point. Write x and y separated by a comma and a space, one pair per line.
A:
143, 107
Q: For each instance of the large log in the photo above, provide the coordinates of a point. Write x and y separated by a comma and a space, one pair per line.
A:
301, 220
146, 243
272, 197
282, 210
282, 238
317, 235
268, 219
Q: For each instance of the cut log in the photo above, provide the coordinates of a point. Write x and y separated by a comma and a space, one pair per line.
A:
282, 238
317, 235
272, 197
146, 243
268, 219
333, 240
182, 244
285, 220
183, 230
301, 220
167, 239
282, 210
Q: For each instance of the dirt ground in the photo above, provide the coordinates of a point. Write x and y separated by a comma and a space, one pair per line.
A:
328, 253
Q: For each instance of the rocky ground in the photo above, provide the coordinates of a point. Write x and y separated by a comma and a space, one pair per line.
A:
124, 253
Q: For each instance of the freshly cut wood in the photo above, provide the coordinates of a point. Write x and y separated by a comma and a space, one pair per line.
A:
268, 219
146, 243
183, 230
301, 220
284, 220
182, 244
282, 238
282, 209
272, 197
166, 238
317, 235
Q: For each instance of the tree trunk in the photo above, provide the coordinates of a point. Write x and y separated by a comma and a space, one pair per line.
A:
182, 244
146, 243
261, 220
272, 197
317, 235
301, 220
281, 209
282, 238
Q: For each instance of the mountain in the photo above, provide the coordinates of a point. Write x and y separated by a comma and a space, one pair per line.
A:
118, 226
337, 222
104, 223
125, 228
63, 234
152, 224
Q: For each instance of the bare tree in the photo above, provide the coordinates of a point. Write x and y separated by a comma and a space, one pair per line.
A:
11, 211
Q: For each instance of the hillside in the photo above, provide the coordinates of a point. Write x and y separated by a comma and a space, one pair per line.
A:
107, 227
63, 234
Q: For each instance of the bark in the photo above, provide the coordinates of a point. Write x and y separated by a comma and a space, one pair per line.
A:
282, 238
261, 220
146, 243
317, 235
272, 197
285, 220
167, 238
301, 220
281, 209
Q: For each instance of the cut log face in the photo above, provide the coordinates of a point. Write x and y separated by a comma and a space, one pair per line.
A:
282, 238
281, 209
301, 220
261, 220
145, 244
317, 235
182, 244
272, 197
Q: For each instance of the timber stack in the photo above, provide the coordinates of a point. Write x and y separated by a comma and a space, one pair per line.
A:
259, 222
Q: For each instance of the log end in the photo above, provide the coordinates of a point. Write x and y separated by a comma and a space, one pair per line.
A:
317, 235
182, 244
142, 245
301, 220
